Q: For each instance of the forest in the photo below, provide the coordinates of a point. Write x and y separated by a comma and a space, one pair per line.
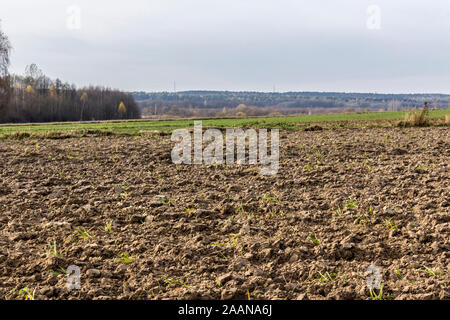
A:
241, 104
34, 97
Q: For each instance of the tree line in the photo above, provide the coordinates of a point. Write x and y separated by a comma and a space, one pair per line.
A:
204, 102
34, 97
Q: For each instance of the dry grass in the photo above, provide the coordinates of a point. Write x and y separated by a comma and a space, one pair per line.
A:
447, 119
416, 119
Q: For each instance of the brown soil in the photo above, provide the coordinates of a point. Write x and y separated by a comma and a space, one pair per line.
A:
376, 196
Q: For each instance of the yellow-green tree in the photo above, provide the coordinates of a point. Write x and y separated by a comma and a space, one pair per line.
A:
122, 109
29, 89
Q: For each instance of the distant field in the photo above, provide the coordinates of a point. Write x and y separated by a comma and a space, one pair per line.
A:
135, 127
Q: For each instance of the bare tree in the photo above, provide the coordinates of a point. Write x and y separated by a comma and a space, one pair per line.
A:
83, 99
37, 98
5, 48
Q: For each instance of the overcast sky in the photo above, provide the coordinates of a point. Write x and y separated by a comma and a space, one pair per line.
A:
400, 46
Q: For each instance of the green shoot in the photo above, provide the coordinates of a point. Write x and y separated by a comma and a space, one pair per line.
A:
428, 271
314, 240
241, 208
167, 202
398, 273
125, 258
53, 251
391, 224
268, 198
375, 296
28, 294
172, 281
83, 233
326, 277
108, 226
351, 204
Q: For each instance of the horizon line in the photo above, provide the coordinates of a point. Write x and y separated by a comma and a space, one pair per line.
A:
283, 92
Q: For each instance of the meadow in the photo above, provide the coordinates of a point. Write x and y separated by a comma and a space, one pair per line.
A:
136, 127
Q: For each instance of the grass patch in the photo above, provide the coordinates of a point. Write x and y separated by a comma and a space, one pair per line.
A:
142, 127
416, 118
